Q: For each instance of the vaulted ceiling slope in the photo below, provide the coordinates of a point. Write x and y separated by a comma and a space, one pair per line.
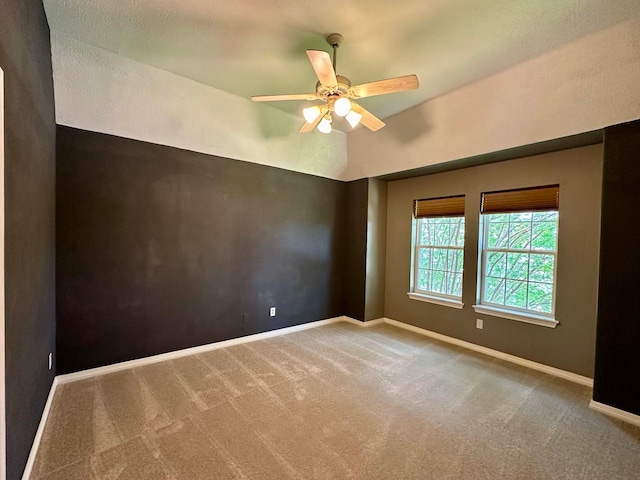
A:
249, 47
181, 73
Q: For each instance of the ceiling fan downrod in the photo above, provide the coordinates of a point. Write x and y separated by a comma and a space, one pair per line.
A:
335, 39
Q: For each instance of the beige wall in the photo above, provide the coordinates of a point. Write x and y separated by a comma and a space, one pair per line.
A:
376, 249
571, 345
101, 91
586, 85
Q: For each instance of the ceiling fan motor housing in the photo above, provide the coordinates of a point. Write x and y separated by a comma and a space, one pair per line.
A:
341, 90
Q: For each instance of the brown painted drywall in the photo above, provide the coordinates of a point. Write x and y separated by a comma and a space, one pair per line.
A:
25, 57
160, 249
618, 340
570, 346
376, 249
355, 230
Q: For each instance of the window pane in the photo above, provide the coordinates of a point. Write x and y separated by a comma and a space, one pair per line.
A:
522, 278
494, 290
516, 294
540, 297
544, 236
454, 261
545, 217
425, 231
423, 280
424, 258
520, 217
455, 282
519, 235
496, 264
441, 233
541, 268
517, 266
438, 282
498, 234
439, 259
498, 217
439, 264
457, 232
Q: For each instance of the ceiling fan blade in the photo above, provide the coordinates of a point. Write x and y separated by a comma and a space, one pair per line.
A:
308, 127
321, 63
276, 98
390, 85
368, 119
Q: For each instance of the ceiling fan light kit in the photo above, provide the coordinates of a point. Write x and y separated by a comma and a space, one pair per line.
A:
338, 94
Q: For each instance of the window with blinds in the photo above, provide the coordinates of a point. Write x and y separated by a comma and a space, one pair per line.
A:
519, 249
439, 207
439, 248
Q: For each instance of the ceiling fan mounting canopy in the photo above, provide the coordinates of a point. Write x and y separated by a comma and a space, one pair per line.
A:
335, 39
332, 87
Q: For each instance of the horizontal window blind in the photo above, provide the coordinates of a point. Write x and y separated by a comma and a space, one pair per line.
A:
533, 199
439, 207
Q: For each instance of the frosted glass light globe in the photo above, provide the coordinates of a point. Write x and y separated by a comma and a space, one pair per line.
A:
353, 118
311, 113
325, 125
342, 106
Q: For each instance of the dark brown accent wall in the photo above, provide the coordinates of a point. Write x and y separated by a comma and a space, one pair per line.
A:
356, 258
160, 249
618, 339
571, 345
25, 58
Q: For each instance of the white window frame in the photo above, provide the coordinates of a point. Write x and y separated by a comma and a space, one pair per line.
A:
425, 295
508, 311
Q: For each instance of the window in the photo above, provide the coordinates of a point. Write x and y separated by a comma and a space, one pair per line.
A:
519, 241
438, 253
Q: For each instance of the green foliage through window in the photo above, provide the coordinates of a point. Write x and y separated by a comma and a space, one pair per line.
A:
439, 256
519, 260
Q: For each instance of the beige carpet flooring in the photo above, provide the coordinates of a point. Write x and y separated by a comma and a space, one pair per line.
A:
336, 402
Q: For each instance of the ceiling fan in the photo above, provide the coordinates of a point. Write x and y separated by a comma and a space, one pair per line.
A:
338, 94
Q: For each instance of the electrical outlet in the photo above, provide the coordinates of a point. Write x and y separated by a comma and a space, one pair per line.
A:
272, 312
479, 323
50, 360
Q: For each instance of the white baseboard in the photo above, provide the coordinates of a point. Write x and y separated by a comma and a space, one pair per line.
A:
369, 323
615, 412
36, 441
116, 367
574, 377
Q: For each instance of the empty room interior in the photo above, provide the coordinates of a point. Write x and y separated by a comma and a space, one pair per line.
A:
320, 240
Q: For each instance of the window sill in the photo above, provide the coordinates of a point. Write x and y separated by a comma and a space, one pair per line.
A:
446, 302
517, 316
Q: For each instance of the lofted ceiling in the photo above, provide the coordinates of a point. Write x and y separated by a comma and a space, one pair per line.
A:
251, 47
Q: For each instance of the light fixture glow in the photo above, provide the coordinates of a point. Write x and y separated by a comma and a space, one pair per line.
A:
353, 118
325, 124
342, 106
311, 113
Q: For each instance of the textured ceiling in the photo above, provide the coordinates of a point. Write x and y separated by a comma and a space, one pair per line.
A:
250, 47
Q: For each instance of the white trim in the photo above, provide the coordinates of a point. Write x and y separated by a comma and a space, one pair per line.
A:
517, 316
446, 302
615, 413
116, 367
3, 413
43, 421
573, 377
